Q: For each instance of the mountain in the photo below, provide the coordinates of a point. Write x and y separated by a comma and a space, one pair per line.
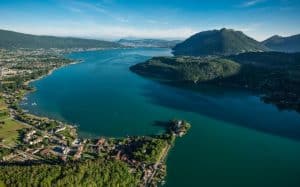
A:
218, 42
283, 44
10, 39
148, 43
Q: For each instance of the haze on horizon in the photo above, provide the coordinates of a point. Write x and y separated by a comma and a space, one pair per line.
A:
167, 19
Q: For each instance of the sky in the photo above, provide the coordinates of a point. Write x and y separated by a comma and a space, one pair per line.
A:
165, 19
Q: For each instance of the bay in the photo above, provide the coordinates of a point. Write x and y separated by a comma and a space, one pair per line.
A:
235, 139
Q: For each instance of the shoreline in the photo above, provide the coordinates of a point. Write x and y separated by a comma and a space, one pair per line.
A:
157, 169
51, 71
72, 63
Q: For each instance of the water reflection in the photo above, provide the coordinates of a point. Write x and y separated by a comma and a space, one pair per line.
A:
230, 105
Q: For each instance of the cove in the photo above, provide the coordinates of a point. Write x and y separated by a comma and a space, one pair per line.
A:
235, 139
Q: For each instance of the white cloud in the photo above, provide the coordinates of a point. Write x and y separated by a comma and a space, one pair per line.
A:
153, 21
86, 8
73, 9
251, 3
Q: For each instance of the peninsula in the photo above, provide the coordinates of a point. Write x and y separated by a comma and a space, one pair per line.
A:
230, 58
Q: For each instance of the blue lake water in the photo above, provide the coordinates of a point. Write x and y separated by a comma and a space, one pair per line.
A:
235, 139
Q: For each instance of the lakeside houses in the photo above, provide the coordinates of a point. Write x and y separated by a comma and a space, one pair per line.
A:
76, 142
30, 133
61, 150
79, 152
7, 72
36, 141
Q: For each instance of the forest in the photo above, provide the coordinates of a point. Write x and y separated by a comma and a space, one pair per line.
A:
97, 172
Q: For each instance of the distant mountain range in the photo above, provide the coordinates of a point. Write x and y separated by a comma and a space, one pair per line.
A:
148, 43
218, 42
283, 44
214, 42
10, 39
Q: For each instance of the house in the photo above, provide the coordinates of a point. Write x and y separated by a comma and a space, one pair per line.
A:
60, 129
79, 152
36, 141
76, 142
61, 150
66, 150
30, 133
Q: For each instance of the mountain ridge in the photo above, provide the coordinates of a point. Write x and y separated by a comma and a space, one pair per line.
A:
283, 44
12, 39
218, 42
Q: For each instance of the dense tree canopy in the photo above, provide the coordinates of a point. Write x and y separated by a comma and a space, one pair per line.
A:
87, 173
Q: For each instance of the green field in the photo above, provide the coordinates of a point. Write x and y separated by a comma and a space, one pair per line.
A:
8, 127
2, 184
9, 131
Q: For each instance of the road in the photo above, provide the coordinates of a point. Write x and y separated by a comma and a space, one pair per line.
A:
161, 159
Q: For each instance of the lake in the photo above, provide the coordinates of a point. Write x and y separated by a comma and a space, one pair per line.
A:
235, 139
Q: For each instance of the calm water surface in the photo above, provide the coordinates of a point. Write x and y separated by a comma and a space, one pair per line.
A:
235, 139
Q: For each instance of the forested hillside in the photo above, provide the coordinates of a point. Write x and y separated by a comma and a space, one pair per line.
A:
283, 44
275, 75
10, 40
218, 42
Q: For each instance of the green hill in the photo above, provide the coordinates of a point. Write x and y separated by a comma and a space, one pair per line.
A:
187, 69
218, 42
10, 39
283, 44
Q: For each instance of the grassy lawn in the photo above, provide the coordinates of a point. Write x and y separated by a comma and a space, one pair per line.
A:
67, 134
9, 131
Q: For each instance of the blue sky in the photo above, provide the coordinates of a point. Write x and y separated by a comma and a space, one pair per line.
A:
114, 19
